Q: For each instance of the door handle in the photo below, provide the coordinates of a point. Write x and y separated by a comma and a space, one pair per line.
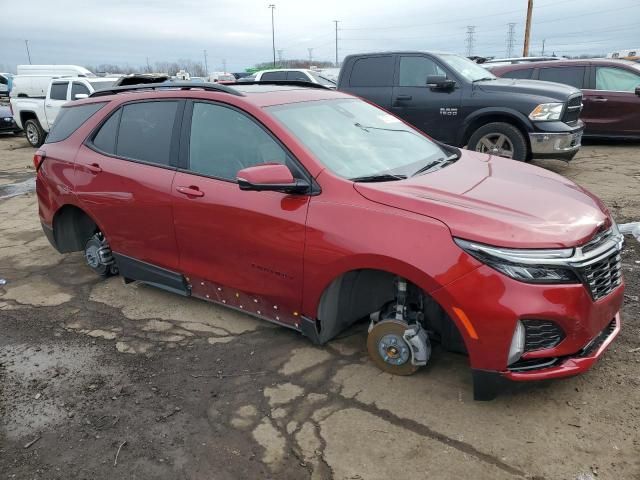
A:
600, 99
49, 105
404, 97
191, 191
94, 167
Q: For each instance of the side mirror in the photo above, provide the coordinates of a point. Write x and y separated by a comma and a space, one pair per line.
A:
273, 177
80, 96
440, 82
638, 90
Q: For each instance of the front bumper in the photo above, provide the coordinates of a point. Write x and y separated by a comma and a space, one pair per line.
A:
7, 124
562, 146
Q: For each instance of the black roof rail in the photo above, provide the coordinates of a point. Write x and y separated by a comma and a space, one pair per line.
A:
210, 87
293, 83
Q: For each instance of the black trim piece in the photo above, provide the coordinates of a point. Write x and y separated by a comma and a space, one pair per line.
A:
309, 328
133, 269
176, 135
487, 384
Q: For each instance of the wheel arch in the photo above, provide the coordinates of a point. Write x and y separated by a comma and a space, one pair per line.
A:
28, 115
486, 116
72, 228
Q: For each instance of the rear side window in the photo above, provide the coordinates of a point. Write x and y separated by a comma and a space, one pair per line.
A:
297, 76
69, 120
77, 88
59, 91
524, 73
274, 76
145, 131
573, 76
105, 139
372, 72
616, 79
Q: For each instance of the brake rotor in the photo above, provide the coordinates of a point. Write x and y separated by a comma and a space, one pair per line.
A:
388, 349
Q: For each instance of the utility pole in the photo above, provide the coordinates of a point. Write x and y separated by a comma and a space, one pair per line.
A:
310, 56
471, 30
224, 65
206, 66
510, 39
543, 42
272, 6
148, 66
26, 42
336, 22
527, 31
280, 57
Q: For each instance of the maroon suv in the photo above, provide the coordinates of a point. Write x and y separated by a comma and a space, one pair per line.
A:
611, 90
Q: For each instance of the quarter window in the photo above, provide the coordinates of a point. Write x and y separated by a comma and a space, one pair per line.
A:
105, 139
145, 131
69, 120
415, 70
573, 76
224, 141
372, 72
59, 91
616, 79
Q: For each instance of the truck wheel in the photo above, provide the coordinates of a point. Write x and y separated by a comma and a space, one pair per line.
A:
34, 133
501, 139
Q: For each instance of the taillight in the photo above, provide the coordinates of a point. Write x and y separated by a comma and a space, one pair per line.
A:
38, 158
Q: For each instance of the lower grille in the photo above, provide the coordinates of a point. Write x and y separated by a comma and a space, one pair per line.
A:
603, 276
597, 342
540, 334
533, 364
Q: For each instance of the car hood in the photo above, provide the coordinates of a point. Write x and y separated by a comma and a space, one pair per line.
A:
556, 91
498, 202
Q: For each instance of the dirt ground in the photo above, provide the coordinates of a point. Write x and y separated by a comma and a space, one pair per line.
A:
99, 380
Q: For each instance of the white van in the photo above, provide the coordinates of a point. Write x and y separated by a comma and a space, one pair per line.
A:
55, 70
33, 80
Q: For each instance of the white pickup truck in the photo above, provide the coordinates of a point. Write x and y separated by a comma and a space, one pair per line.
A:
35, 115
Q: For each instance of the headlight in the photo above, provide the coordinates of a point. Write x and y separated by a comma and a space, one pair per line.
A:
527, 265
547, 111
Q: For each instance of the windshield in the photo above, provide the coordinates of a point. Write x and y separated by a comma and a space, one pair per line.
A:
322, 80
102, 84
465, 67
354, 139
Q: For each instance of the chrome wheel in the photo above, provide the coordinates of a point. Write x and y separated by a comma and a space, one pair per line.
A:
495, 144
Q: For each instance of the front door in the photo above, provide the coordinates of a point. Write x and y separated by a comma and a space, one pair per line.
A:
242, 248
433, 111
612, 107
58, 95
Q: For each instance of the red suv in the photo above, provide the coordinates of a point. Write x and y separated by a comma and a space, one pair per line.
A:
313, 209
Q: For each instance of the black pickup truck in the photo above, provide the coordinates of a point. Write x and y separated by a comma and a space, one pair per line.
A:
460, 103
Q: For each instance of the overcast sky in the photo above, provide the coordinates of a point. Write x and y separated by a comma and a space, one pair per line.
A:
91, 32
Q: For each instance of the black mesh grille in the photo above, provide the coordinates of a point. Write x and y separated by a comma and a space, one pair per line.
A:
599, 340
574, 107
603, 276
541, 334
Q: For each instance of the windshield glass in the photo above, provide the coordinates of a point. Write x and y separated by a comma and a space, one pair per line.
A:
102, 84
465, 67
355, 139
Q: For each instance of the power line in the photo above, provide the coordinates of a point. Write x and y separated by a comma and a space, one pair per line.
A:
471, 29
510, 39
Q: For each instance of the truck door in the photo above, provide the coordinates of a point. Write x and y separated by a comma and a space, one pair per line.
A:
56, 97
431, 110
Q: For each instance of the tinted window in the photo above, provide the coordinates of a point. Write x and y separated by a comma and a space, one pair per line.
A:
524, 73
145, 131
573, 76
274, 76
616, 79
59, 91
414, 71
298, 76
69, 120
224, 141
105, 139
77, 88
372, 72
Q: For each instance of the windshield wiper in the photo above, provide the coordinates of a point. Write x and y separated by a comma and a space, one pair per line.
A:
442, 162
383, 177
482, 79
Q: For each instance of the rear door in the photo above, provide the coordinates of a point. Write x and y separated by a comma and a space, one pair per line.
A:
611, 106
123, 176
241, 248
431, 110
372, 78
57, 96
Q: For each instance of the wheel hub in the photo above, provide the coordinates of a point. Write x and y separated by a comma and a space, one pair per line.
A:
92, 257
388, 349
393, 349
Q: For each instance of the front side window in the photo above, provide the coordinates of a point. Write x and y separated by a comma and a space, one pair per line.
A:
59, 91
78, 88
145, 131
70, 119
616, 79
522, 74
270, 76
573, 76
223, 141
415, 70
297, 76
355, 139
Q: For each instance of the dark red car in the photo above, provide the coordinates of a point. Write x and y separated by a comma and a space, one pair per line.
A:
611, 91
313, 209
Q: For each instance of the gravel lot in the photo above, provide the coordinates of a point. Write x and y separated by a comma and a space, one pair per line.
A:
173, 388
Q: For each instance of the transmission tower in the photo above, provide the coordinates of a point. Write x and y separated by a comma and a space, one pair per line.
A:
471, 40
310, 56
510, 39
280, 56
